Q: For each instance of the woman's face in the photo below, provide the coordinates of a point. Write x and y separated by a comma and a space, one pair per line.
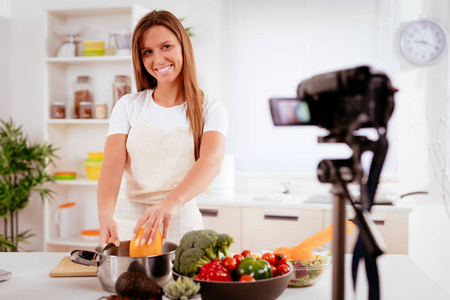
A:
162, 54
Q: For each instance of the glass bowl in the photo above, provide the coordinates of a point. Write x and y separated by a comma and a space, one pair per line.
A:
307, 272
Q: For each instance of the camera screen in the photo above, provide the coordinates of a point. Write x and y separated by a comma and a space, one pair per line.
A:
290, 111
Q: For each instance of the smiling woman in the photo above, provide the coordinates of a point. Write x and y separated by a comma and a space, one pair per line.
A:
165, 143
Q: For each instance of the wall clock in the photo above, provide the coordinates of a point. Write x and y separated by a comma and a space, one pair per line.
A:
423, 42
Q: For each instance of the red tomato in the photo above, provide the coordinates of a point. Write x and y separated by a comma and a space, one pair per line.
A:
280, 259
229, 263
274, 270
269, 257
238, 258
283, 269
246, 253
246, 278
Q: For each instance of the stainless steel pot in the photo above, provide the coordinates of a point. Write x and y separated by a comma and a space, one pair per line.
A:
112, 261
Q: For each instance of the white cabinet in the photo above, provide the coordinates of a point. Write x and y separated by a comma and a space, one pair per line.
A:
76, 137
224, 219
254, 226
393, 227
263, 227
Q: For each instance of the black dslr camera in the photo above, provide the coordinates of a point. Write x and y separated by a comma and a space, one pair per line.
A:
335, 100
343, 102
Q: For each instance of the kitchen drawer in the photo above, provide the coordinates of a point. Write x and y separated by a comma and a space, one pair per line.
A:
224, 219
262, 227
393, 227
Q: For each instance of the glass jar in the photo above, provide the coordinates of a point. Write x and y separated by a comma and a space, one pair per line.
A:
101, 111
121, 86
111, 47
85, 110
82, 93
58, 110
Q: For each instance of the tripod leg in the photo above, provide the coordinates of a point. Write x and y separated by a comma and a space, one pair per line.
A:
338, 247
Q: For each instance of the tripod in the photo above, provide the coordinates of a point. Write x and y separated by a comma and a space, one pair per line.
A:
340, 172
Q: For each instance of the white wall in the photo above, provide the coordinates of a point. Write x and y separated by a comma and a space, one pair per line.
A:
248, 51
22, 64
5, 66
276, 45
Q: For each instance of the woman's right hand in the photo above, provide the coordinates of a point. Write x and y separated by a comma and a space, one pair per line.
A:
109, 232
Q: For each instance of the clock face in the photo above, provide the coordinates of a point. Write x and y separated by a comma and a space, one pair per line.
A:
423, 42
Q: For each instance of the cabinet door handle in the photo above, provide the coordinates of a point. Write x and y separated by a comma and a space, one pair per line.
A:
376, 222
209, 212
280, 216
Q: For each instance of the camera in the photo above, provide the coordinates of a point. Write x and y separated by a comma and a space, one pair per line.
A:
336, 99
343, 102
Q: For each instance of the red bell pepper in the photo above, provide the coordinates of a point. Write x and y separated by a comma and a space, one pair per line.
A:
213, 271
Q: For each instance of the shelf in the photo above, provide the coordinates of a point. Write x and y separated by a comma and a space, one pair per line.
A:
78, 121
82, 181
84, 59
98, 11
76, 241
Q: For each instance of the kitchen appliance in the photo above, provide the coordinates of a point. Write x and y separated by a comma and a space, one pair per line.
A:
65, 217
123, 42
224, 182
69, 48
113, 261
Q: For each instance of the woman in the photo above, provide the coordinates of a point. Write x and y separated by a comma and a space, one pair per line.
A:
165, 143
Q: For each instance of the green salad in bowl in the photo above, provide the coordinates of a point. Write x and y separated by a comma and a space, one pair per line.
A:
307, 272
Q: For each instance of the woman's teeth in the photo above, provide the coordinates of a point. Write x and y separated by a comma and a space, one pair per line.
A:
163, 70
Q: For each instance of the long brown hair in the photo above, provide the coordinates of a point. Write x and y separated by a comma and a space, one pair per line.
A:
190, 89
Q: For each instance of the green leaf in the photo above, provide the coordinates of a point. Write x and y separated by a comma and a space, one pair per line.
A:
6, 243
23, 171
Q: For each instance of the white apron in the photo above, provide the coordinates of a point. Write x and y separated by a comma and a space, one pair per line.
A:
157, 162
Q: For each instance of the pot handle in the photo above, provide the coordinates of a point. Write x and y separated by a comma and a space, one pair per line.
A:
84, 257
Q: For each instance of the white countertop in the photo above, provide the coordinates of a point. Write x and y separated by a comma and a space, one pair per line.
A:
400, 279
298, 201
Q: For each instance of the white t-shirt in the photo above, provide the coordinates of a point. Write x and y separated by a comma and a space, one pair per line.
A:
127, 110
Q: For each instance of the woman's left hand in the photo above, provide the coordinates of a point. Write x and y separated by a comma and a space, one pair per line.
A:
154, 216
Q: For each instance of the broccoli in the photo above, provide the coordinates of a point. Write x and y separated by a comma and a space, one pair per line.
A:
223, 244
192, 260
206, 240
200, 246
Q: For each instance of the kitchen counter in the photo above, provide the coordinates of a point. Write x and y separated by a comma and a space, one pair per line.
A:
300, 201
400, 279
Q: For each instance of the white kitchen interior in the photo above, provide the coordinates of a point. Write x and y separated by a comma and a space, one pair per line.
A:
247, 52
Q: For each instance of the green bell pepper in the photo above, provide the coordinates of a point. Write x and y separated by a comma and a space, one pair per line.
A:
258, 269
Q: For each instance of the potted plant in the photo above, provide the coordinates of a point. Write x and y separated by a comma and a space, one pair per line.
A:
23, 170
183, 288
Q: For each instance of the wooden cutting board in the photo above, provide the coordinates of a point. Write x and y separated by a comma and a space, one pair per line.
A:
66, 268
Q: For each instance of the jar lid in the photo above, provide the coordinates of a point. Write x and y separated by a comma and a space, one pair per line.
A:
59, 103
85, 103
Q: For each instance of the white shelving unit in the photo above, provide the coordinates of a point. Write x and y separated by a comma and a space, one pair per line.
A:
76, 137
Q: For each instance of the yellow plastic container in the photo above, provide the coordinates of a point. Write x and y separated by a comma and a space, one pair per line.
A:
93, 162
93, 172
93, 167
96, 155
94, 45
94, 52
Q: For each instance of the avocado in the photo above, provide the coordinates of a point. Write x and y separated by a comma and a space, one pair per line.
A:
135, 266
137, 286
